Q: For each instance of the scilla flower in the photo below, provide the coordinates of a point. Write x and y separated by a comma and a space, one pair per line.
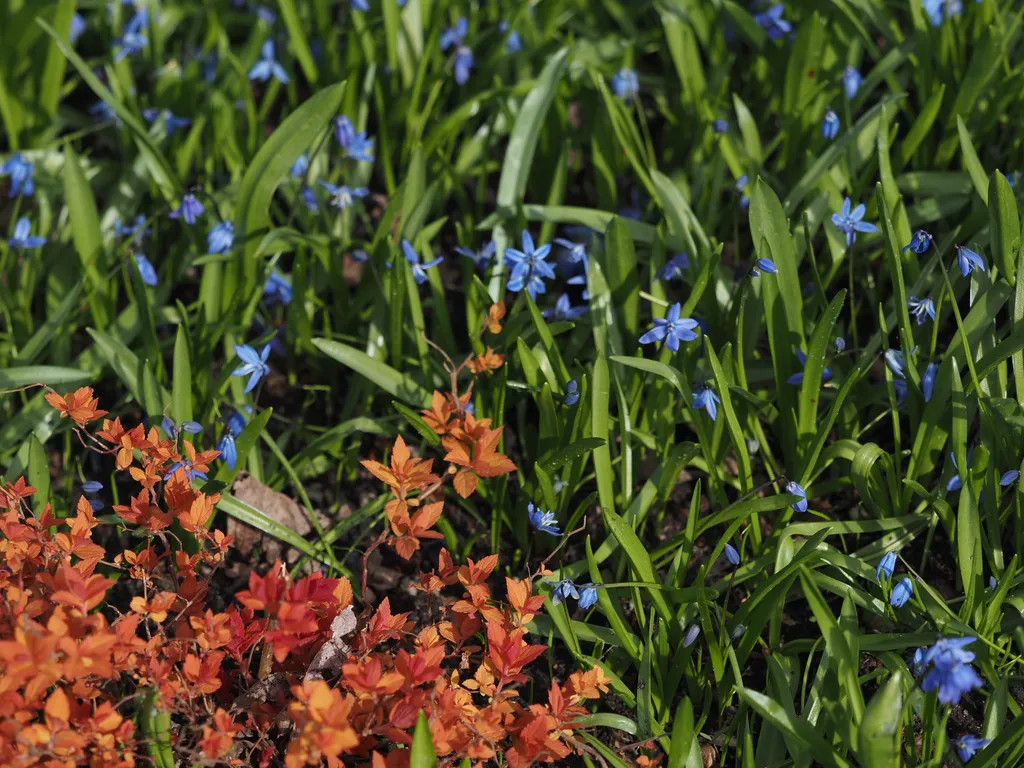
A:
849, 221
921, 309
543, 521
707, 399
968, 261
672, 329
626, 84
901, 593
886, 566
795, 489
852, 81
830, 125
967, 745
919, 242
947, 668
189, 210
585, 594
418, 273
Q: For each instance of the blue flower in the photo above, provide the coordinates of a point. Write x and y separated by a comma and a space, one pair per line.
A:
92, 486
529, 268
795, 489
277, 290
356, 145
453, 37
921, 309
563, 310
23, 237
545, 522
418, 273
955, 483
132, 41
171, 120
798, 378
221, 238
928, 381
253, 365
190, 471
626, 84
189, 210
894, 360
300, 166
268, 66
708, 400
22, 174
309, 198
732, 555
830, 125
228, 449
77, 28
103, 111
343, 196
773, 23
919, 242
901, 593
967, 745
886, 566
720, 126
671, 329
968, 261
675, 268
852, 81
840, 344
572, 393
1009, 477
360, 5
209, 66
577, 251
585, 594
949, 670
136, 229
265, 14
691, 635
741, 185
849, 221
514, 43
764, 265
481, 258
236, 421
172, 430
360, 257
146, 270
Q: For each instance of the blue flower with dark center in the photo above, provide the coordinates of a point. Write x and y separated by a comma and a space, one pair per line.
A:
771, 21
675, 268
481, 258
585, 594
563, 310
798, 378
22, 174
343, 196
626, 84
886, 566
356, 145
277, 290
253, 365
189, 210
454, 37
418, 273
901, 593
968, 261
967, 745
947, 668
672, 329
268, 66
852, 81
795, 489
572, 393
221, 238
849, 221
529, 268
928, 381
921, 309
146, 270
732, 555
23, 237
545, 522
707, 399
171, 120
919, 242
830, 125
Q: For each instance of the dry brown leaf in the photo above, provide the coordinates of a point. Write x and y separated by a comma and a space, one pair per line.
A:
277, 506
332, 654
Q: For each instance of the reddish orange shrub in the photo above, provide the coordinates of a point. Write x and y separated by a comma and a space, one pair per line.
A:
289, 673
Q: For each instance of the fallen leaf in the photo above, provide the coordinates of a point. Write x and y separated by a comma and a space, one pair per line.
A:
332, 654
